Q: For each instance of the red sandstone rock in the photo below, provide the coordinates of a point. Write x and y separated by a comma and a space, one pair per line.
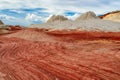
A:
16, 27
35, 55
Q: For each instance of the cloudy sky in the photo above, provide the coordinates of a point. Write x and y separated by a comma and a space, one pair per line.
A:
26, 12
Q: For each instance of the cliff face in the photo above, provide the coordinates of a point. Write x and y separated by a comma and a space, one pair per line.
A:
113, 16
57, 18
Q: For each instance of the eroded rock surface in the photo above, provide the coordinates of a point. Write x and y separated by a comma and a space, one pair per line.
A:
58, 58
87, 21
1, 23
113, 16
87, 15
56, 18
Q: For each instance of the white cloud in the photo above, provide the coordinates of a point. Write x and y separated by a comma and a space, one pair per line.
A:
10, 20
17, 11
58, 6
73, 17
33, 17
6, 17
98, 6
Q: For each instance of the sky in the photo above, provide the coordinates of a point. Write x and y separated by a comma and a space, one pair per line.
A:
26, 12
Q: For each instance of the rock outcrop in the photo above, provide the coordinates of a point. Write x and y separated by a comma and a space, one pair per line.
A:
87, 21
3, 28
113, 16
87, 15
57, 18
69, 58
88, 25
13, 28
1, 23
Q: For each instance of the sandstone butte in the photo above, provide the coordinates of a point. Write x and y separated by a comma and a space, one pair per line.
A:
34, 54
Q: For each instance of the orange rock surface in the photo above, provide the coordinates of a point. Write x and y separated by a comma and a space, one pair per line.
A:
33, 54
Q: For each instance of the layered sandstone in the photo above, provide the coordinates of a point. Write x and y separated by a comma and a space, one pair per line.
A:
85, 49
87, 21
3, 28
113, 16
6, 29
87, 15
1, 23
13, 28
34, 54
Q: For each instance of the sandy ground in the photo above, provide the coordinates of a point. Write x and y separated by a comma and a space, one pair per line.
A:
32, 54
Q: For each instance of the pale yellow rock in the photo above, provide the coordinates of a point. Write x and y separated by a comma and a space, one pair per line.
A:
113, 17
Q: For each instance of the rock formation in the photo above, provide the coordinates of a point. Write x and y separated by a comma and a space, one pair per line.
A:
13, 28
35, 55
1, 23
3, 31
87, 21
86, 24
57, 18
113, 16
66, 54
87, 15
3, 28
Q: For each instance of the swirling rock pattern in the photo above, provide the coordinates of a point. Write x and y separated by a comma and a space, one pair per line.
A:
26, 59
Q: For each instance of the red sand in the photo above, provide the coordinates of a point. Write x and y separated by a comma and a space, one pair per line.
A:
32, 54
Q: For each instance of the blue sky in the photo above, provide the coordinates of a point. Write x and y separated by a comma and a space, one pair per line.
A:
26, 12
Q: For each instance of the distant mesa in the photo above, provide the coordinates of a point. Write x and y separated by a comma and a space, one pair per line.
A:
87, 15
113, 16
56, 18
